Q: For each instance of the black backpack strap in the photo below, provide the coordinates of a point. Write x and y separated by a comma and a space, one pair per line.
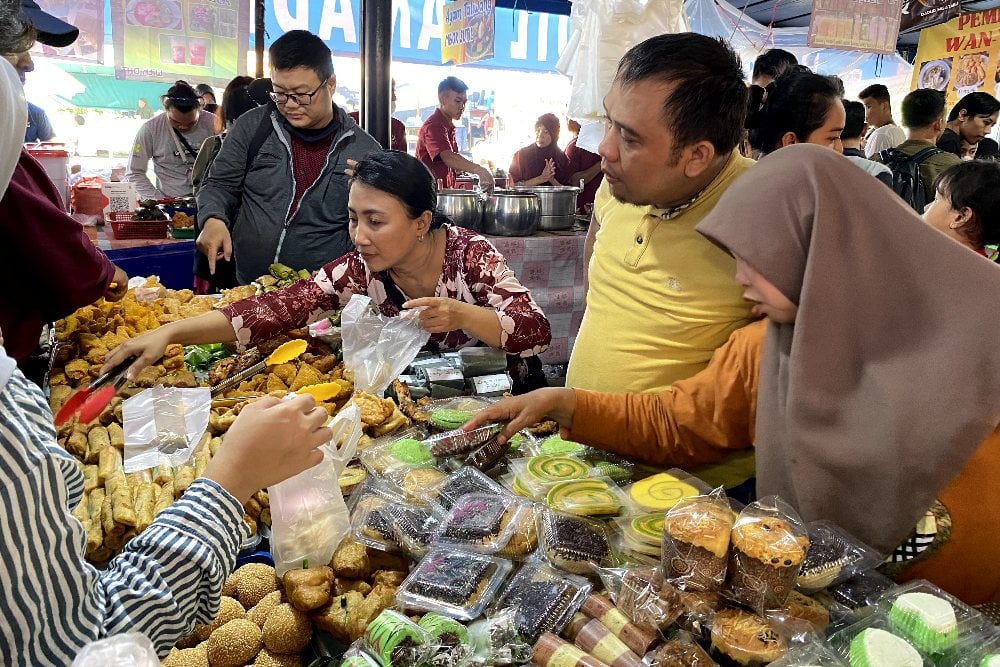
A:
264, 130
920, 156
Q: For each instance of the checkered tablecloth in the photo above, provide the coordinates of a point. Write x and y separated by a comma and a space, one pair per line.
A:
550, 264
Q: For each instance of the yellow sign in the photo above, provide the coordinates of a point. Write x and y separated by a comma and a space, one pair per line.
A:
468, 31
961, 56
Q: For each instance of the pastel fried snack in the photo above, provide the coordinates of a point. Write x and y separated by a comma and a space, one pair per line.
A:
116, 435
144, 505
76, 444
164, 497
162, 474
91, 478
120, 495
182, 480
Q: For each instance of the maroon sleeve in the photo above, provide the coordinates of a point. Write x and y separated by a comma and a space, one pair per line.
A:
267, 315
563, 172
514, 174
436, 140
524, 328
52, 254
397, 131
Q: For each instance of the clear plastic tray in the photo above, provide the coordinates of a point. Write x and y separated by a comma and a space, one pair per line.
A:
453, 582
593, 496
443, 412
842, 640
458, 442
536, 474
968, 624
861, 590
544, 599
489, 523
812, 654
395, 456
413, 528
833, 556
372, 525
572, 543
554, 445
464, 480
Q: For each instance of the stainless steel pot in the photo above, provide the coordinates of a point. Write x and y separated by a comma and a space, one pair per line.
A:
511, 213
463, 207
551, 223
555, 200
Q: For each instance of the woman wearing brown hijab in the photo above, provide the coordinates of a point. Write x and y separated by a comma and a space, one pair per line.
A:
872, 393
543, 162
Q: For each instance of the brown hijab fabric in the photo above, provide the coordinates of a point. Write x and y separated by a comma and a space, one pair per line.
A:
889, 379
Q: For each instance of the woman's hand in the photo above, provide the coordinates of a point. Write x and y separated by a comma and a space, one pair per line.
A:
519, 412
269, 442
442, 314
147, 348
549, 170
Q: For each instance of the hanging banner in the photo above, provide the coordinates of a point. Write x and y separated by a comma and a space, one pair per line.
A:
468, 31
523, 40
854, 25
88, 16
960, 57
200, 41
919, 14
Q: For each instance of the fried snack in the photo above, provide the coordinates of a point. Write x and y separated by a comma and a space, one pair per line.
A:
306, 376
76, 444
374, 410
342, 586
58, 393
98, 440
220, 420
182, 480
122, 505
214, 444
58, 379
164, 497
351, 560
95, 501
91, 478
77, 370
549, 427
149, 376
144, 505
109, 462
162, 474
340, 616
397, 420
117, 436
310, 588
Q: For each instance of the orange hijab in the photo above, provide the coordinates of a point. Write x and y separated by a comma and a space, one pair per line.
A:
889, 379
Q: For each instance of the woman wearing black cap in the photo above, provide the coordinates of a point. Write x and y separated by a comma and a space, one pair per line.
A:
541, 163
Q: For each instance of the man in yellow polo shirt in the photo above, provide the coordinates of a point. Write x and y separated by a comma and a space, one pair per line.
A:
661, 297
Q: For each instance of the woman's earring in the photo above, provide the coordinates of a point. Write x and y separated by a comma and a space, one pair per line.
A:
420, 239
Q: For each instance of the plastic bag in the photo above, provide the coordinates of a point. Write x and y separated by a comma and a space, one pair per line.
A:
378, 348
696, 542
163, 425
834, 556
132, 649
397, 641
308, 513
496, 640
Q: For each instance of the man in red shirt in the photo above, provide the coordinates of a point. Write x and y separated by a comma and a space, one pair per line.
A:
586, 167
436, 144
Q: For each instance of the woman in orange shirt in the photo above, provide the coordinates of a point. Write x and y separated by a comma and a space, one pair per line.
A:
871, 393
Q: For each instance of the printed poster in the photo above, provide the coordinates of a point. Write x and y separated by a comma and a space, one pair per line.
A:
200, 41
919, 14
468, 31
88, 16
960, 57
854, 25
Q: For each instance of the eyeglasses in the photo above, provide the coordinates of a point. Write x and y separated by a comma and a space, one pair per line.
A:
301, 99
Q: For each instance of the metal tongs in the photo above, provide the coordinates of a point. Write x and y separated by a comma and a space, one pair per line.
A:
88, 403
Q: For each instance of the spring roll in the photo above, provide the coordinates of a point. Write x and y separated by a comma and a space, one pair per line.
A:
76, 444
203, 443
91, 478
95, 538
214, 444
98, 440
82, 512
109, 463
117, 436
136, 479
111, 529
122, 503
163, 474
201, 460
182, 480
164, 497
144, 506
95, 501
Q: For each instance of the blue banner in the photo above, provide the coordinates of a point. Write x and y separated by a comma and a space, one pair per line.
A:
527, 41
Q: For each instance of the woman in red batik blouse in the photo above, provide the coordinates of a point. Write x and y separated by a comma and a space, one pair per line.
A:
407, 256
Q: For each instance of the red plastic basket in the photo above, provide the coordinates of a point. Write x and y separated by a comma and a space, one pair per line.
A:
124, 226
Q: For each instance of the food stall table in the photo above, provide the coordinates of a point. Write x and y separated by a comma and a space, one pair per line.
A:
170, 259
550, 264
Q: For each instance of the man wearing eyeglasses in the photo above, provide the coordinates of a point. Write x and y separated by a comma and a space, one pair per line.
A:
171, 140
277, 192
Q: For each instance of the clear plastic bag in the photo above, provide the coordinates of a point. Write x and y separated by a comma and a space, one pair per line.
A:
308, 512
834, 556
696, 542
812, 654
767, 547
132, 649
378, 348
397, 641
544, 599
163, 425
496, 641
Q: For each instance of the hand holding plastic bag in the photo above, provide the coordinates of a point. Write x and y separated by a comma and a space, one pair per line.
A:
308, 513
378, 348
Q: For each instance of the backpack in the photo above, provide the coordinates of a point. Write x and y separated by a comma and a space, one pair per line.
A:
211, 147
906, 180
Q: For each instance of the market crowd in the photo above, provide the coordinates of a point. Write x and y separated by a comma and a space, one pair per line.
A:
787, 294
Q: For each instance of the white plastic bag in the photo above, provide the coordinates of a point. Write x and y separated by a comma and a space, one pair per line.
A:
163, 425
378, 348
308, 513
132, 649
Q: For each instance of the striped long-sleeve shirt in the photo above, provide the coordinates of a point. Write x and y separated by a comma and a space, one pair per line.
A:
52, 601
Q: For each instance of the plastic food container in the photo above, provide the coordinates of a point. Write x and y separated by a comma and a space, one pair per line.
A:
489, 523
544, 599
453, 582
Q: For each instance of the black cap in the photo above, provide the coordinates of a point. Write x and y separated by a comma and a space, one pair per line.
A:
51, 30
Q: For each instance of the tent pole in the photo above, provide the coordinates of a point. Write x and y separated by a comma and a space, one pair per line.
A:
258, 31
376, 57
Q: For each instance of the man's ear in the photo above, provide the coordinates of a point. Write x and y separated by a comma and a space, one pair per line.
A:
698, 158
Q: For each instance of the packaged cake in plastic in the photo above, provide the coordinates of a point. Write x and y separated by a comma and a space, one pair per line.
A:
833, 556
543, 599
459, 483
459, 442
452, 646
935, 622
396, 641
489, 523
413, 527
642, 534
650, 602
680, 649
573, 543
535, 475
861, 590
768, 544
370, 521
745, 638
449, 414
600, 608
695, 552
496, 640
871, 641
661, 492
453, 582
397, 455
593, 496
811, 654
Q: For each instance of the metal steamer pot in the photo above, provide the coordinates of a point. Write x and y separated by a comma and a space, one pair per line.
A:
557, 206
511, 213
463, 207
